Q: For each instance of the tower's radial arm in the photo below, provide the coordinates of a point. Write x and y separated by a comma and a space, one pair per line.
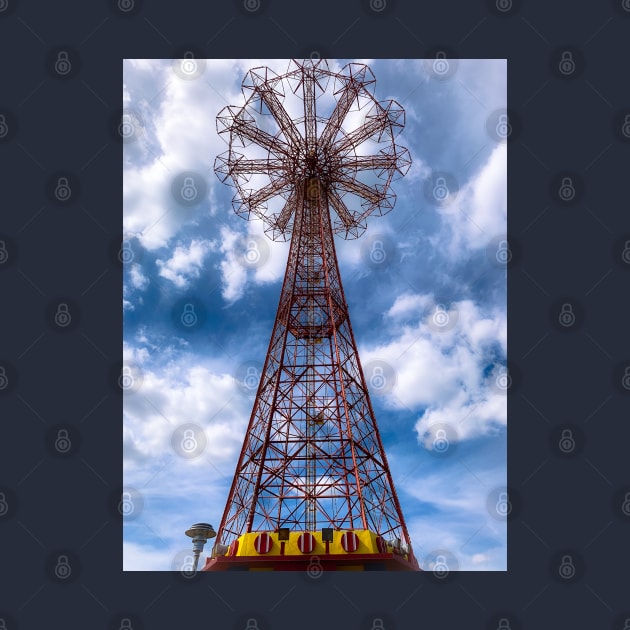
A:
337, 156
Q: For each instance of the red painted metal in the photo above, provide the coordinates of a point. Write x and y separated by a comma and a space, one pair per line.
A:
312, 455
350, 541
233, 548
306, 542
381, 545
263, 543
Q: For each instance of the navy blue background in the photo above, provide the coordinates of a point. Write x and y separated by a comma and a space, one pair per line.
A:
64, 504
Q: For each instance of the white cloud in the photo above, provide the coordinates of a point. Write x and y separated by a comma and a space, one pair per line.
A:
179, 135
235, 275
408, 304
443, 372
137, 279
139, 557
233, 272
479, 213
454, 515
178, 395
185, 262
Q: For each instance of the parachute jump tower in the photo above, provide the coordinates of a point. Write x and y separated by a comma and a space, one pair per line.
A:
312, 488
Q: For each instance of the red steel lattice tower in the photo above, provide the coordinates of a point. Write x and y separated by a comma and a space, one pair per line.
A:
312, 467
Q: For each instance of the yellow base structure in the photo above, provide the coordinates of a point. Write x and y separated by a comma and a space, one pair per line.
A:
282, 553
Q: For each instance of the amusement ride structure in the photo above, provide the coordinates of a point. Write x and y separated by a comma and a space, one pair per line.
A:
312, 153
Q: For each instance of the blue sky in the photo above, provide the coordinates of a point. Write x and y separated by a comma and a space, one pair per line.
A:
185, 252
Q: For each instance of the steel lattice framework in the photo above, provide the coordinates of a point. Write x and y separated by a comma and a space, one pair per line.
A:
312, 456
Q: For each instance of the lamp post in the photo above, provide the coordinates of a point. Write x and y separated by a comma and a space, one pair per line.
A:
199, 532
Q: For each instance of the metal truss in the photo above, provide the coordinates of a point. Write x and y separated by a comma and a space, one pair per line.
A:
312, 456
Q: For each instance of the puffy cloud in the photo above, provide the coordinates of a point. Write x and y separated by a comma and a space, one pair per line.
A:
446, 373
178, 395
137, 279
479, 213
235, 273
185, 262
179, 134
